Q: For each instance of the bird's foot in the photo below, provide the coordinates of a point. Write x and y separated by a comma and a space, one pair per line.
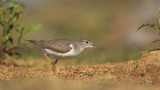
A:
54, 68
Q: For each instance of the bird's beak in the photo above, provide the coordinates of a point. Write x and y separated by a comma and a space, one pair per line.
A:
97, 47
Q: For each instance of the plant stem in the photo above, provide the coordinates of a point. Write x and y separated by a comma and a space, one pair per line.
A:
20, 36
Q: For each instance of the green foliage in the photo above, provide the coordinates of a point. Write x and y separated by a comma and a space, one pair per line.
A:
150, 25
11, 30
155, 49
156, 27
135, 65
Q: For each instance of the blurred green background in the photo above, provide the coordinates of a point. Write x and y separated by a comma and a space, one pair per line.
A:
110, 24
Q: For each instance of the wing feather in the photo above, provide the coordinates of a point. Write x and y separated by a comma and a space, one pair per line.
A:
57, 45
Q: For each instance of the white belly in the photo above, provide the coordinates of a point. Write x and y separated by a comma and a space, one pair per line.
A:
71, 53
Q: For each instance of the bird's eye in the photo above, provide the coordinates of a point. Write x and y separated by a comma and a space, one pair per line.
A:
86, 42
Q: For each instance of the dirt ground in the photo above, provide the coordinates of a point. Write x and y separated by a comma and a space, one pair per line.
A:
141, 74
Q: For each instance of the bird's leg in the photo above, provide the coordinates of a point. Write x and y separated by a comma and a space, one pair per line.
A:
46, 56
54, 66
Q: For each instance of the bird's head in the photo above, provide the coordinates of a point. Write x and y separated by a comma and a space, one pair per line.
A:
88, 44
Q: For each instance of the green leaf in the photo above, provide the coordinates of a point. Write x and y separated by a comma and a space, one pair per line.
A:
15, 6
155, 49
1, 10
135, 65
17, 15
143, 52
150, 25
1, 22
32, 27
11, 7
155, 41
10, 27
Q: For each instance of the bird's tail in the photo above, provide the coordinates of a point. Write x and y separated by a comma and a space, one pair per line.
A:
31, 41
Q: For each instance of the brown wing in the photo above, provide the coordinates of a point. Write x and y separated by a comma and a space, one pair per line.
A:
57, 45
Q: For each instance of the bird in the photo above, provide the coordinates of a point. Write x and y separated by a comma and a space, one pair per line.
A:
61, 49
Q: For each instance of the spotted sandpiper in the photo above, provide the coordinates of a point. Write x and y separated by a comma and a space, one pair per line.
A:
62, 48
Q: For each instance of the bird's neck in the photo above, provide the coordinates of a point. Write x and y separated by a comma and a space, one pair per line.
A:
78, 48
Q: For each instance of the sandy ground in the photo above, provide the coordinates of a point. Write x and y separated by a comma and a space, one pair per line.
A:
141, 74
